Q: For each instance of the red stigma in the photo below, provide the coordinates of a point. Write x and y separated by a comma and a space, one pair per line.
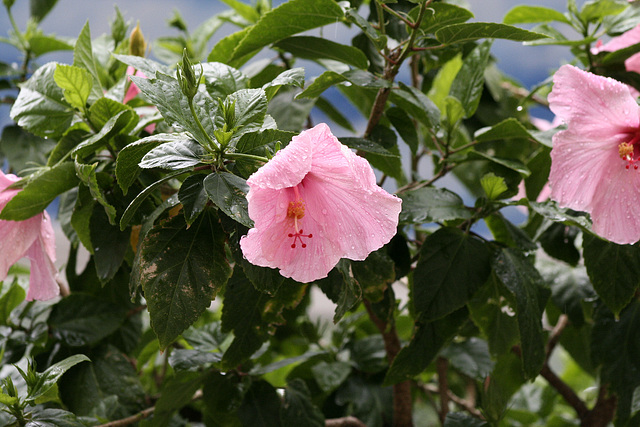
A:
298, 236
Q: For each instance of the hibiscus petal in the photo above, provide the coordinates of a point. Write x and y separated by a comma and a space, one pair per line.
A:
6, 195
578, 165
42, 281
594, 106
268, 244
615, 207
287, 168
626, 39
15, 239
342, 194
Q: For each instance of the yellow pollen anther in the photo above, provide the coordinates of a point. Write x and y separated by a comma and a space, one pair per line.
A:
625, 150
296, 209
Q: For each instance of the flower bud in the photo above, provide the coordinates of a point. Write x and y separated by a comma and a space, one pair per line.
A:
137, 45
187, 78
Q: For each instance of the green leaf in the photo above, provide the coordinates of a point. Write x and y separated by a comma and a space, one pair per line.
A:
378, 40
38, 9
41, 44
181, 270
89, 176
559, 241
514, 165
40, 107
246, 11
40, 191
532, 14
76, 84
293, 77
229, 193
439, 15
340, 287
174, 155
527, 286
11, 295
471, 357
164, 92
331, 78
81, 216
127, 168
374, 274
404, 126
490, 311
614, 347
88, 388
330, 376
221, 395
367, 145
507, 129
298, 407
81, 319
315, 48
147, 66
260, 406
430, 204
193, 197
104, 109
252, 314
493, 185
54, 418
613, 269
22, 149
109, 244
596, 10
222, 80
83, 58
50, 376
121, 123
417, 104
250, 109
452, 266
176, 392
468, 84
390, 165
504, 231
128, 214
293, 17
427, 340
464, 32
551, 211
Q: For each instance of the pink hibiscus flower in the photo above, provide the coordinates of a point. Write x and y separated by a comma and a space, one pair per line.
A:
594, 162
32, 238
316, 202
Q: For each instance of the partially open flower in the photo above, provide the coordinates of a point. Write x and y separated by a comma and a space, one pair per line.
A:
316, 202
594, 162
32, 238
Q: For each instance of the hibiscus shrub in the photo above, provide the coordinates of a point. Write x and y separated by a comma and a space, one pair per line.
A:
479, 264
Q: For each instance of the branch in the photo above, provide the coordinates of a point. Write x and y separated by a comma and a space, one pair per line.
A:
565, 391
344, 422
130, 420
463, 403
402, 402
442, 365
145, 413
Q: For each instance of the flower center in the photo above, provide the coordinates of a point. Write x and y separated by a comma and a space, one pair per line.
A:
627, 151
295, 211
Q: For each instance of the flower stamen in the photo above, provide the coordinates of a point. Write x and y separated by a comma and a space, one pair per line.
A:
296, 211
